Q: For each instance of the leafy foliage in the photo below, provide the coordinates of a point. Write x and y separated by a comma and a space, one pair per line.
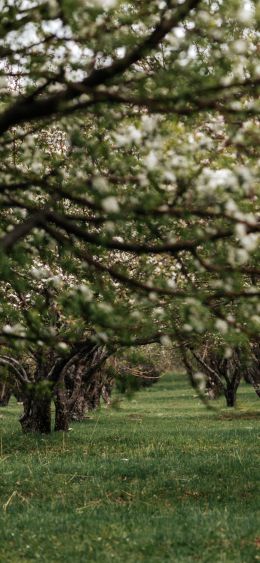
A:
129, 206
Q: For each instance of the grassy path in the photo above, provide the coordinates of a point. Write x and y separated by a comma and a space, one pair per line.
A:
160, 479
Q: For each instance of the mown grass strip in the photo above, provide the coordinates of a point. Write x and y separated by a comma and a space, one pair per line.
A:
160, 479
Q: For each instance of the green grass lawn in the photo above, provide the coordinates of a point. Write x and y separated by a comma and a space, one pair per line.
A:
160, 479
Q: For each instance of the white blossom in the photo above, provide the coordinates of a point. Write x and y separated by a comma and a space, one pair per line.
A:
241, 256
151, 160
149, 123
134, 134
169, 176
86, 292
40, 273
110, 204
231, 206
171, 283
245, 176
214, 179
143, 180
17, 329
165, 340
56, 281
241, 230
221, 325
187, 327
136, 314
53, 8
100, 184
250, 242
63, 346
228, 353
159, 311
7, 329
106, 307
109, 226
104, 4
240, 46
245, 12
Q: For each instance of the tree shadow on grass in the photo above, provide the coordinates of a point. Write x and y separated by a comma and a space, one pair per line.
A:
234, 415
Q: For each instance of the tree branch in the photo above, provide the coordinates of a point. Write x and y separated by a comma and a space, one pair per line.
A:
25, 110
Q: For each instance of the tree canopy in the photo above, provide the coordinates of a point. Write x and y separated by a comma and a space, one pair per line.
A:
129, 202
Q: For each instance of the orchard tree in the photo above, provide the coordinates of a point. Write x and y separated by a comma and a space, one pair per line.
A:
129, 202
218, 370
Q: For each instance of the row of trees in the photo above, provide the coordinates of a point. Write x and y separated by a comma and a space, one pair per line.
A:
76, 384
129, 204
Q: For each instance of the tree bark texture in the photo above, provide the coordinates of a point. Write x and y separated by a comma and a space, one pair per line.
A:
37, 415
61, 411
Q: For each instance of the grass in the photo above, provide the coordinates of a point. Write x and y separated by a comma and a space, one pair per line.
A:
160, 479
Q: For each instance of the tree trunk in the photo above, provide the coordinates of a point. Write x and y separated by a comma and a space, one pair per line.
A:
5, 394
252, 376
37, 415
61, 411
86, 385
230, 395
79, 407
93, 393
88, 399
231, 390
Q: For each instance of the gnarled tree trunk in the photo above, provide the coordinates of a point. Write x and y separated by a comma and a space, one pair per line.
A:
86, 384
37, 414
79, 408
